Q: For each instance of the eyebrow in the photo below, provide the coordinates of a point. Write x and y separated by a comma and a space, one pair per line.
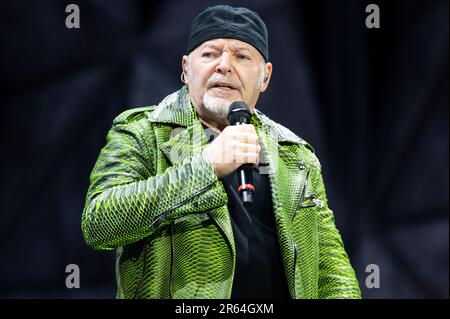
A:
242, 48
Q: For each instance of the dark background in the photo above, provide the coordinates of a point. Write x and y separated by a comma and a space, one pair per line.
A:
373, 103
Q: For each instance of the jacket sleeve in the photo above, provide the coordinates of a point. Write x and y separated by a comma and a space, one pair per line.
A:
127, 202
337, 279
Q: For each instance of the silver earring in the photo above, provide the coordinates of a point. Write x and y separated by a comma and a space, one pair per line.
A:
182, 78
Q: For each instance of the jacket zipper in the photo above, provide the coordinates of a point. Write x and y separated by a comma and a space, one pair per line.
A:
294, 246
163, 216
171, 260
302, 197
144, 256
172, 251
295, 266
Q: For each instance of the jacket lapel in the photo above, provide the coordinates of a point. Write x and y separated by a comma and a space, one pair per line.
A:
184, 142
287, 175
287, 170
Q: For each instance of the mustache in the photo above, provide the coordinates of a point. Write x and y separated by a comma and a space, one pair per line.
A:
220, 78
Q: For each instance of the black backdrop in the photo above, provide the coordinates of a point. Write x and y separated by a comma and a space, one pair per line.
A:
373, 103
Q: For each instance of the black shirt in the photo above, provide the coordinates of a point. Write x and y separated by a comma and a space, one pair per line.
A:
259, 269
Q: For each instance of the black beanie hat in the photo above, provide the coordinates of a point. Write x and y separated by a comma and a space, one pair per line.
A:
223, 21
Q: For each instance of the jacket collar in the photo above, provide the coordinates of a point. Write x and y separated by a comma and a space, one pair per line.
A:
177, 109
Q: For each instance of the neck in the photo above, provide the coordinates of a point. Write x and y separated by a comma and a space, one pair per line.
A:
213, 125
209, 121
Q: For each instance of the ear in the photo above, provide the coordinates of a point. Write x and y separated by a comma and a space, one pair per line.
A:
267, 75
184, 67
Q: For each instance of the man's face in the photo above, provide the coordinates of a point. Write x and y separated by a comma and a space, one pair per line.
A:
222, 71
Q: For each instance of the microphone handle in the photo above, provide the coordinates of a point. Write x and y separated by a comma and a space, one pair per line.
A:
245, 176
246, 188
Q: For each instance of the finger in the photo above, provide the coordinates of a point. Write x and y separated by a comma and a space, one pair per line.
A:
248, 138
248, 128
243, 128
247, 148
247, 158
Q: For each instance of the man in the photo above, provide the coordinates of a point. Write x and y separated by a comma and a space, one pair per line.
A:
163, 193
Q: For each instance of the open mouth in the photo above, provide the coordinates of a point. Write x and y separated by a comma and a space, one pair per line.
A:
224, 86
228, 88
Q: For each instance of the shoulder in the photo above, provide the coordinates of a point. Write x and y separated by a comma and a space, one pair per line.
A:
282, 133
286, 136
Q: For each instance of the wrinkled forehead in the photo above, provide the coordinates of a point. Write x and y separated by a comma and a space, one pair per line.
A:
233, 45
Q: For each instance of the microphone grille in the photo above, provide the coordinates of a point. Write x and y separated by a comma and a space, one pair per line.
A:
239, 112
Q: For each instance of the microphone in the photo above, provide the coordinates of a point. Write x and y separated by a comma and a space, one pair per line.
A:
239, 113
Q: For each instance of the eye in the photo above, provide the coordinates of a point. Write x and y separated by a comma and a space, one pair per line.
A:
207, 54
243, 57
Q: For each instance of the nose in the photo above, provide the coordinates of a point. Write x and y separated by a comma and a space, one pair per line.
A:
224, 65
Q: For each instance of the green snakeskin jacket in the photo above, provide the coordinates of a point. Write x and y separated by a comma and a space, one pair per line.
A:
154, 197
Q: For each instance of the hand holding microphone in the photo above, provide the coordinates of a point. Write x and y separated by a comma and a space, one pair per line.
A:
237, 145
